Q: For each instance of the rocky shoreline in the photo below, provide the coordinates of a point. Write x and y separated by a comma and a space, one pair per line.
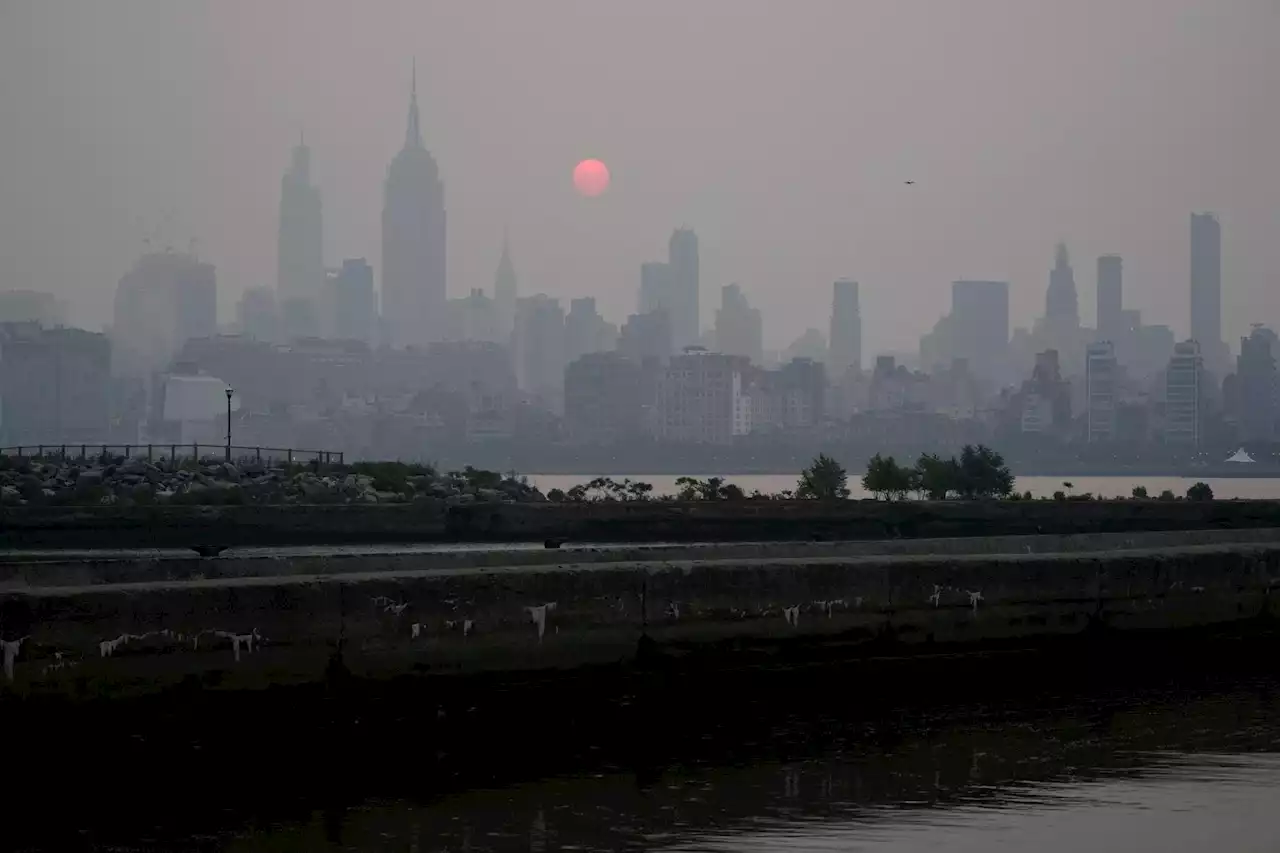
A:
136, 482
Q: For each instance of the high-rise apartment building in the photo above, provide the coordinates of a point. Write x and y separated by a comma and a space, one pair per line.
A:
606, 398
845, 348
300, 240
739, 328
1111, 321
1101, 385
414, 228
701, 398
1184, 395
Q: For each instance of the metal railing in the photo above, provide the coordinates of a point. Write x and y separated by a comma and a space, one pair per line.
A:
172, 452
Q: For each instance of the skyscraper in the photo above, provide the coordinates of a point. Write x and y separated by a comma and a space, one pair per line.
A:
167, 299
1206, 286
1100, 391
845, 351
1184, 395
353, 306
979, 327
1111, 323
300, 254
739, 327
538, 349
1259, 386
655, 288
505, 291
1062, 303
682, 257
414, 226
585, 331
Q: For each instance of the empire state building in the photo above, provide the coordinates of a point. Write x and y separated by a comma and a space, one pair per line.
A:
414, 225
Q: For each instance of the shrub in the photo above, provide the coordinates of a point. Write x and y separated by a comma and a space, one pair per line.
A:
1139, 493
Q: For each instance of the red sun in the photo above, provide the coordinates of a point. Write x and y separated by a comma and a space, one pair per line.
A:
591, 178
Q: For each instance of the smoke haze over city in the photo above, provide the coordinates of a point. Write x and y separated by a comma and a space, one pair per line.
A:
782, 133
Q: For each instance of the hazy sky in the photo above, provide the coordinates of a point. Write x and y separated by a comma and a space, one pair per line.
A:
781, 130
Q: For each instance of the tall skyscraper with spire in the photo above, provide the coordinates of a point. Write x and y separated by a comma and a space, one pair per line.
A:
1062, 303
414, 229
299, 242
505, 290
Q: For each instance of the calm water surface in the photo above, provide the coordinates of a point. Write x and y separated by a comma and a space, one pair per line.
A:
1139, 773
1040, 487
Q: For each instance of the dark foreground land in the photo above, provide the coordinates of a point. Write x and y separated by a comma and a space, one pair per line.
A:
649, 521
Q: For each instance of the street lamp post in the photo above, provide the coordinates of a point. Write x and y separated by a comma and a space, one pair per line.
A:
230, 392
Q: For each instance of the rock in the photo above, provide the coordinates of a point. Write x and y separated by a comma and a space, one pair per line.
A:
89, 478
229, 472
490, 495
312, 489
10, 494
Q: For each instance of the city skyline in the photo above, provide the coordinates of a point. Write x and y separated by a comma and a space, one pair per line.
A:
506, 143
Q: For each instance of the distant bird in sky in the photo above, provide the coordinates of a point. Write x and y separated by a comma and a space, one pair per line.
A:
909, 183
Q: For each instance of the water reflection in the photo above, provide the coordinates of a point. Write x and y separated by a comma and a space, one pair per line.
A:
1143, 772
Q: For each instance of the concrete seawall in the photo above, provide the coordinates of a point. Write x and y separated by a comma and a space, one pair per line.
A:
654, 521
277, 628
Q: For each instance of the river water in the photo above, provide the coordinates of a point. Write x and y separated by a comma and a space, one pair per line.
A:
1169, 769
1147, 772
1041, 487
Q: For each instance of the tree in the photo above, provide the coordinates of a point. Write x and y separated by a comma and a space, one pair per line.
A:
710, 489
1200, 492
824, 480
1139, 493
885, 477
983, 473
937, 478
1167, 495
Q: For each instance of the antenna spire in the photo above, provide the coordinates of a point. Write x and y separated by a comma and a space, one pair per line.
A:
413, 133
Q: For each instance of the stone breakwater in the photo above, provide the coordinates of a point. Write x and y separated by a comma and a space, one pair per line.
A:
262, 630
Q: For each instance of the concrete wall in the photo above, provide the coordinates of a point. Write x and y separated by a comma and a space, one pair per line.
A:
21, 570
105, 527
252, 632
